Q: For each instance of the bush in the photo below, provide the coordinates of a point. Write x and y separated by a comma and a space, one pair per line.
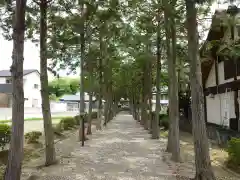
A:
77, 118
67, 123
233, 151
164, 122
57, 129
5, 135
163, 119
33, 137
94, 115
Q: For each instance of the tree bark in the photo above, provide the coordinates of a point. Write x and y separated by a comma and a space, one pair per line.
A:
147, 87
89, 128
204, 169
175, 102
15, 156
155, 126
100, 70
48, 130
82, 98
169, 59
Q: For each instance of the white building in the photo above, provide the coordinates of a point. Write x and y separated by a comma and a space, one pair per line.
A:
31, 85
218, 73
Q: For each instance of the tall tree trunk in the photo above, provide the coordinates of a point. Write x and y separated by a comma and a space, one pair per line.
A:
169, 59
106, 92
82, 98
150, 98
15, 156
147, 70
48, 130
155, 130
89, 129
174, 95
144, 103
204, 169
100, 70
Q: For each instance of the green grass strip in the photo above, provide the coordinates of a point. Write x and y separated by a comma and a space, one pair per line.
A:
35, 119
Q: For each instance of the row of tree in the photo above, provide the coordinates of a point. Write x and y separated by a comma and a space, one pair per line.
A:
123, 49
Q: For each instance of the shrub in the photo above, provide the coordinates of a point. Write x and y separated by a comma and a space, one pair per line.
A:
77, 118
163, 119
5, 135
57, 129
233, 151
94, 115
164, 122
67, 123
33, 137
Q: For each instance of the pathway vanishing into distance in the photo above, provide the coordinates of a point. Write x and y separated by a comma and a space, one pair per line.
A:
122, 151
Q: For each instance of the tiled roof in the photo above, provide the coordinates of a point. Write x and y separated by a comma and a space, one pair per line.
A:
7, 73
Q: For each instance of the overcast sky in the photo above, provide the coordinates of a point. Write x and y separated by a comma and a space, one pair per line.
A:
31, 51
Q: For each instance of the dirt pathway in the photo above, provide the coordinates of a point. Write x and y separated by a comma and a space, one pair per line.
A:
122, 151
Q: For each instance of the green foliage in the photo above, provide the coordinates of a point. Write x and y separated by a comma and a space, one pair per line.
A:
164, 122
61, 86
233, 151
163, 119
94, 115
5, 135
58, 128
85, 116
67, 123
33, 137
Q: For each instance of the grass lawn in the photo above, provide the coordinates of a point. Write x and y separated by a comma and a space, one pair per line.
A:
34, 119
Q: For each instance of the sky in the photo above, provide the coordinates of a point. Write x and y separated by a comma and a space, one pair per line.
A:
31, 51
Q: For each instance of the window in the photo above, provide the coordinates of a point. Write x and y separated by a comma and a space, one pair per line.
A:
230, 68
35, 86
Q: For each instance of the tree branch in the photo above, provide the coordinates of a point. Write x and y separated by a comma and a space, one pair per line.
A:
37, 2
49, 1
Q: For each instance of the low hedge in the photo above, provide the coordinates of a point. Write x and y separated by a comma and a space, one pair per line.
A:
233, 150
67, 123
33, 137
5, 135
163, 119
77, 118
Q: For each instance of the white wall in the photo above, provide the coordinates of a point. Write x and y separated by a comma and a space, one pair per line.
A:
29, 91
2, 80
58, 106
211, 80
220, 108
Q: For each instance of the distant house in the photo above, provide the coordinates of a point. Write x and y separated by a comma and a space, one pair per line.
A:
218, 72
73, 101
163, 100
31, 86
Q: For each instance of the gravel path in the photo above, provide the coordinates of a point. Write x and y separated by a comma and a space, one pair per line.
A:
122, 151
